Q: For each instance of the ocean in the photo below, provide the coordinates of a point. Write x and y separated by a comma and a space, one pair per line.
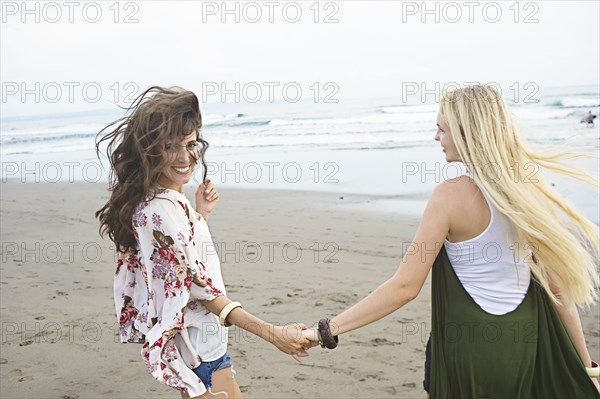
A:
382, 148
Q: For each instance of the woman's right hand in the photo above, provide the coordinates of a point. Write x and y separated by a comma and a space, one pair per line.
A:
206, 198
313, 335
289, 339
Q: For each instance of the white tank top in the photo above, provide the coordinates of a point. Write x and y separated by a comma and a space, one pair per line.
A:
489, 266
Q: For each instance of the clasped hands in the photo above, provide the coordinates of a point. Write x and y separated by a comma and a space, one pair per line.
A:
295, 340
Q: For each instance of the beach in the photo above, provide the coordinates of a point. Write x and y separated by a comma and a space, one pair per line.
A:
286, 255
324, 128
318, 204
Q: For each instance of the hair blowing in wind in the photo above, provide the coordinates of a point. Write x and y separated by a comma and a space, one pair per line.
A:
566, 247
136, 149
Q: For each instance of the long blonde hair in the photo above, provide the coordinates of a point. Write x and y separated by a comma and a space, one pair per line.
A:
488, 142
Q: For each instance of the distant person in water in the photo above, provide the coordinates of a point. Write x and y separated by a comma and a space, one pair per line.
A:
589, 119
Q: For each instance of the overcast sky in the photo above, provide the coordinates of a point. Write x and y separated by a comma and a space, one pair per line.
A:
371, 51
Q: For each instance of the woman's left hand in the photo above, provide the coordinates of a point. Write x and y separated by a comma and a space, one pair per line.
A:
289, 339
207, 197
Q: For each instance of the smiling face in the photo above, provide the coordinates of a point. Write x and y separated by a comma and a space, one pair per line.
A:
182, 158
445, 138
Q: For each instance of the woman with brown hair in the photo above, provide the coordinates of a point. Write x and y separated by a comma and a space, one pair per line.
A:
168, 290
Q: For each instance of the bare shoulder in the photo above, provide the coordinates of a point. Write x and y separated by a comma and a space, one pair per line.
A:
454, 191
465, 208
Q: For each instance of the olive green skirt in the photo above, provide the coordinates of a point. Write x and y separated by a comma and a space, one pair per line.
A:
526, 353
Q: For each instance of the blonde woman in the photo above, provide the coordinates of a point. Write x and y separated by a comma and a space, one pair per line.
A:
511, 260
168, 289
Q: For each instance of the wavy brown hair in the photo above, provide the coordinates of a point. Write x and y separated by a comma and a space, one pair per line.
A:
136, 149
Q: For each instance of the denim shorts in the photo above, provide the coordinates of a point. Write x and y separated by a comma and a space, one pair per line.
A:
205, 370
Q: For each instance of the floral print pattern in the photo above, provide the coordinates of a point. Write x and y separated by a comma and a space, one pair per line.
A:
153, 285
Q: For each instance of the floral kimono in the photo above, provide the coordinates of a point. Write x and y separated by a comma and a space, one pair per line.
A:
158, 288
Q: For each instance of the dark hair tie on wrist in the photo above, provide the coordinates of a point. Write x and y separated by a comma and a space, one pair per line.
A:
327, 340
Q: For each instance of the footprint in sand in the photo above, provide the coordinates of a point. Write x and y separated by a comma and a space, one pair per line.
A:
371, 376
27, 378
340, 298
274, 301
301, 377
3, 361
261, 377
382, 341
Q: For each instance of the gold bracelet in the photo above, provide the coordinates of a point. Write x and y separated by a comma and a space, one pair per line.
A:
225, 312
593, 371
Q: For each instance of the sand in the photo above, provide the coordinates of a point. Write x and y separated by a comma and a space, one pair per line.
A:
288, 256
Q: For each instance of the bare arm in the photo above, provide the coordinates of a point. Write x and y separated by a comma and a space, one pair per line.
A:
287, 339
570, 318
408, 280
